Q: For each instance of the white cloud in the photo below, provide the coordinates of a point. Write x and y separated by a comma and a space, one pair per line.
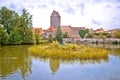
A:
88, 13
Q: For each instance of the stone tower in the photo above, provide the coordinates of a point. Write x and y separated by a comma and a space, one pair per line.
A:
55, 19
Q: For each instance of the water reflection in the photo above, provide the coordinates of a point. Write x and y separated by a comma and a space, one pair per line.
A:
16, 64
14, 59
109, 46
54, 65
115, 52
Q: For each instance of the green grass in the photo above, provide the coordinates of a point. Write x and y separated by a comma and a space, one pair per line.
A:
69, 51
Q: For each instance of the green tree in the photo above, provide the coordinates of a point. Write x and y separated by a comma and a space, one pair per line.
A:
117, 34
90, 35
8, 18
50, 38
15, 36
109, 35
65, 35
37, 36
18, 28
4, 37
82, 33
26, 26
101, 35
59, 35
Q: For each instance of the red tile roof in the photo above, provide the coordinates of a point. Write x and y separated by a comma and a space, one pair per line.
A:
113, 30
55, 12
78, 28
50, 29
100, 29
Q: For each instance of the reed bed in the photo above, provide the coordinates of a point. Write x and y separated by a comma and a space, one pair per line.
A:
69, 51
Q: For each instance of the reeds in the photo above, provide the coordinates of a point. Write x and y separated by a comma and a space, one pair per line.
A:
69, 51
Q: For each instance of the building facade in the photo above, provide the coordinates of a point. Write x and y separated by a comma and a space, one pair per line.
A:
37, 30
55, 19
50, 31
72, 32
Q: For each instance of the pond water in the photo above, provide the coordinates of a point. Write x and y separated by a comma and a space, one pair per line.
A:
17, 64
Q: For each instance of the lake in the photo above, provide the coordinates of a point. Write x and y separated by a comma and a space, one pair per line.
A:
17, 64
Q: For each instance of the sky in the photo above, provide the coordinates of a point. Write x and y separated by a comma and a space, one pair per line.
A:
77, 13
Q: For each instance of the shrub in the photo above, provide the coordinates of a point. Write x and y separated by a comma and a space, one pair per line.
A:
50, 39
59, 35
115, 42
69, 51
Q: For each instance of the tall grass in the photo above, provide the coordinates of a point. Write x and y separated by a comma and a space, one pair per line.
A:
69, 51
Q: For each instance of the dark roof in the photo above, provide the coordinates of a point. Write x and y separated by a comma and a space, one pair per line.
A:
55, 12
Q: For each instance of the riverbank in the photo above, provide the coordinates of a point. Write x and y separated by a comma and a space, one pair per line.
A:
93, 40
69, 51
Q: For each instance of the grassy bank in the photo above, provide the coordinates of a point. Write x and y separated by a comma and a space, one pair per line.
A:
69, 51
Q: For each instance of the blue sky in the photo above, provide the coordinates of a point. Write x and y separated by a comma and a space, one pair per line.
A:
78, 13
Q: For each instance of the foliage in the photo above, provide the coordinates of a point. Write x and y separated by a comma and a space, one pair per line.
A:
4, 37
37, 36
15, 36
117, 34
109, 35
101, 36
90, 35
50, 39
69, 51
103, 33
82, 33
87, 31
59, 35
115, 42
7, 18
26, 24
17, 27
65, 35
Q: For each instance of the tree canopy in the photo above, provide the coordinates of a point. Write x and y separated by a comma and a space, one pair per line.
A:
82, 33
15, 28
59, 35
117, 34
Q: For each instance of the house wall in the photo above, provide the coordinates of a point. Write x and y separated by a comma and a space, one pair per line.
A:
73, 32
